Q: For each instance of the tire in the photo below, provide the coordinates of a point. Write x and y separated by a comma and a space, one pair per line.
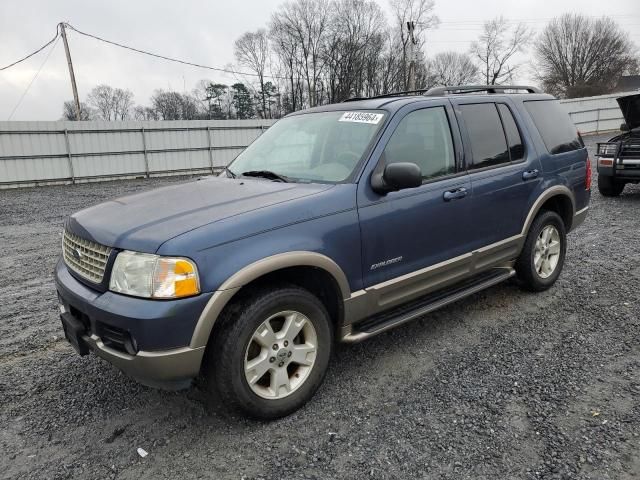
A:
234, 346
609, 187
533, 273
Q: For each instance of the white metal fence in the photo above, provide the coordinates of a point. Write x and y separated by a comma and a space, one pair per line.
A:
596, 114
34, 153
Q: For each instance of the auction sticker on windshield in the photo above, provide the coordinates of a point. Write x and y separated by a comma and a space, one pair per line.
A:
361, 117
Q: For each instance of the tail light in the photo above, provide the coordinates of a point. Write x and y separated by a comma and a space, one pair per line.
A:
587, 181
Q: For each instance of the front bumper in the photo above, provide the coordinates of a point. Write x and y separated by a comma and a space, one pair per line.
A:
625, 174
159, 332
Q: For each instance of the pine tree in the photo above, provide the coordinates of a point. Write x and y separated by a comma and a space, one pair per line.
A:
242, 101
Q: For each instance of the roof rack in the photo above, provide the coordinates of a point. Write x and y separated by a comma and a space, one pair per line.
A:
385, 95
453, 90
440, 91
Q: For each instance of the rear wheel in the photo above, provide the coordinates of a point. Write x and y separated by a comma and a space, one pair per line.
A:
542, 257
270, 354
609, 187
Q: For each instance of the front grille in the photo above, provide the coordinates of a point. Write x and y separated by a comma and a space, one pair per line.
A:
630, 150
88, 259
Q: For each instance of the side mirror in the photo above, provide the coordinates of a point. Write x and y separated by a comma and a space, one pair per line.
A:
624, 127
396, 176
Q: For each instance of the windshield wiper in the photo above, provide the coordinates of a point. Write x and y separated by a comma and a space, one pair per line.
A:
266, 174
228, 170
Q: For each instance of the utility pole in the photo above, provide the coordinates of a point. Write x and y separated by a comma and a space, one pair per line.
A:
412, 56
71, 74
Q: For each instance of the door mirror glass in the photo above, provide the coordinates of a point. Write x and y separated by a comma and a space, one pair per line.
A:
397, 176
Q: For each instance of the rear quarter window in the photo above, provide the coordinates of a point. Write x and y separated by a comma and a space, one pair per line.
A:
558, 132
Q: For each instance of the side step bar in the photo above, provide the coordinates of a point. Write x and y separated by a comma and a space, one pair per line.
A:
388, 319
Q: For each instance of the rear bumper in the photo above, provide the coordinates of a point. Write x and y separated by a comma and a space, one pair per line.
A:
157, 332
579, 218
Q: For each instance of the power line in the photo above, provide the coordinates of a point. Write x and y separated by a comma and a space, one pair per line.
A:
170, 59
34, 78
33, 53
461, 28
528, 20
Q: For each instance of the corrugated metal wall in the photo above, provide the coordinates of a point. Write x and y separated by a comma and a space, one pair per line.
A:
596, 114
33, 153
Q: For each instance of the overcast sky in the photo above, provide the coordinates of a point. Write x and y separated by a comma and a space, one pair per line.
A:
202, 32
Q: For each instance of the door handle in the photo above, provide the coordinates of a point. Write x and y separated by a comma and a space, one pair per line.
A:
454, 194
530, 174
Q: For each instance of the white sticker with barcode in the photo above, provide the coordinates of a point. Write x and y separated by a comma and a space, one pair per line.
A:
361, 117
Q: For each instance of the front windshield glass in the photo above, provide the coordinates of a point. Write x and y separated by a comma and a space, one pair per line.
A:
324, 147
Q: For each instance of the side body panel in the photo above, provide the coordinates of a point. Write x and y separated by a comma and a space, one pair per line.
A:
502, 209
500, 194
408, 230
568, 169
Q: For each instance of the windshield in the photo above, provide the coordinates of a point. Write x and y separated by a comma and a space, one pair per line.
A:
323, 146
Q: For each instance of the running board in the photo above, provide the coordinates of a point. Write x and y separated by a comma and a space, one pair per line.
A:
404, 313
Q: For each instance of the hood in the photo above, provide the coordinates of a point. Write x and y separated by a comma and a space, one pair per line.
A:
144, 221
630, 106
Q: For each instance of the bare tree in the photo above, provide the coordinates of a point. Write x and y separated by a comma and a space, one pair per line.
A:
101, 98
578, 56
69, 111
171, 105
252, 51
496, 48
144, 113
354, 39
452, 68
385, 71
421, 13
110, 103
287, 63
122, 103
305, 23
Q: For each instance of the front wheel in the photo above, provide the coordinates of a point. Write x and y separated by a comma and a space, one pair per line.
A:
609, 187
542, 257
270, 354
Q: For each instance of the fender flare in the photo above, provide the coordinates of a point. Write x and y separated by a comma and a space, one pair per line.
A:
555, 191
253, 271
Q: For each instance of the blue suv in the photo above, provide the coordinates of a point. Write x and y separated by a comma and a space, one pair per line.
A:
338, 223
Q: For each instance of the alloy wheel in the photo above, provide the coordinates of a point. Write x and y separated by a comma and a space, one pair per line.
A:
546, 254
280, 355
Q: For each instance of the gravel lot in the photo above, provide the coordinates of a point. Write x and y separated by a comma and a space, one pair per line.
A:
503, 385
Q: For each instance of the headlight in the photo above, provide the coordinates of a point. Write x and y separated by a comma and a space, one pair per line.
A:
607, 149
153, 276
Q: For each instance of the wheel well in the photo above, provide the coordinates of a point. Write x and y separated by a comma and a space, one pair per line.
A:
316, 280
562, 205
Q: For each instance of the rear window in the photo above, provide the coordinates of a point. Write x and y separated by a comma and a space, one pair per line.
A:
558, 132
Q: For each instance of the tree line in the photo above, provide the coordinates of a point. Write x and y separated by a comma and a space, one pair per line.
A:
314, 52
207, 101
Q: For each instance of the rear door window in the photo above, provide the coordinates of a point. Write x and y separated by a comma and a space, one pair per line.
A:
488, 142
558, 132
516, 147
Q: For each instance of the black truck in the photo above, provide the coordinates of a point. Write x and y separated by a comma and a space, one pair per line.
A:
619, 158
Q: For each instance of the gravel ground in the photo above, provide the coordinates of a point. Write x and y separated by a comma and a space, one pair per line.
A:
502, 385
